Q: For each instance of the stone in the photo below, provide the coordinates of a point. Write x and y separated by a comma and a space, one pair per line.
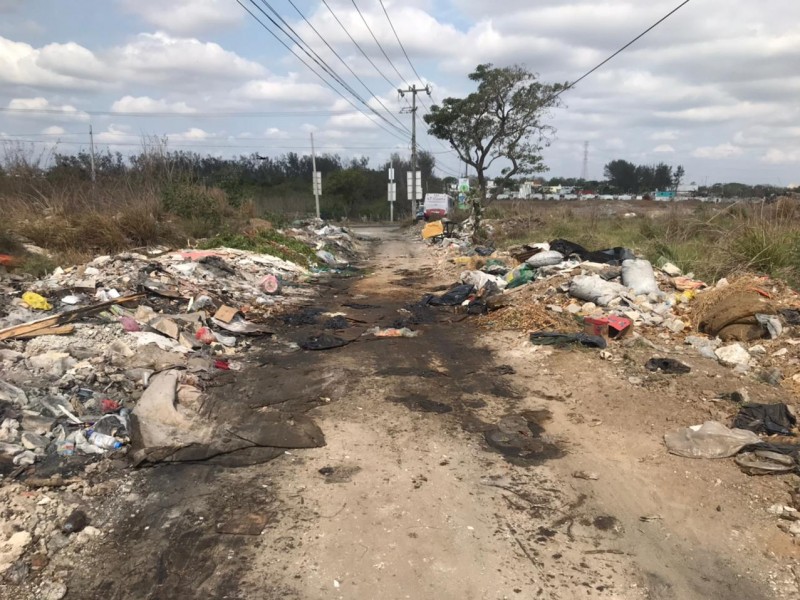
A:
9, 450
733, 355
781, 352
53, 363
671, 270
573, 309
676, 326
52, 590
757, 350
9, 431
13, 394
24, 458
589, 308
11, 355
38, 424
31, 441
12, 549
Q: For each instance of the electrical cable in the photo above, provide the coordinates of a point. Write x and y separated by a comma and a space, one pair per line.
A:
317, 59
374, 37
310, 68
344, 62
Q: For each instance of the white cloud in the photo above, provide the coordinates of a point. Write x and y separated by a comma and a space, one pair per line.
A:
287, 90
186, 17
54, 130
776, 156
664, 136
41, 106
664, 148
717, 152
145, 104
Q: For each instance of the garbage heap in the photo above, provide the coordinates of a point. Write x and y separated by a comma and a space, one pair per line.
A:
80, 348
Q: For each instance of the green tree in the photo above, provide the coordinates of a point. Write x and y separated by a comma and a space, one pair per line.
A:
622, 175
349, 188
678, 177
503, 120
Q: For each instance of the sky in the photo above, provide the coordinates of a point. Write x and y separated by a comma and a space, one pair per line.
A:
714, 88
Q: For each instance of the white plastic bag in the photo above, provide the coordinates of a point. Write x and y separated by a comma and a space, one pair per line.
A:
637, 274
545, 259
712, 439
592, 288
480, 280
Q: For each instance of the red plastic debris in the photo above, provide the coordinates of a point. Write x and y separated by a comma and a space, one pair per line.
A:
109, 406
223, 365
205, 335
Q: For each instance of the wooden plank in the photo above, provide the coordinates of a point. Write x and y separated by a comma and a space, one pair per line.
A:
62, 318
62, 330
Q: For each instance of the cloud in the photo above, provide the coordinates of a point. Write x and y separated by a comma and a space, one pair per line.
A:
664, 136
717, 152
145, 104
287, 90
186, 17
664, 148
23, 65
54, 130
776, 156
40, 106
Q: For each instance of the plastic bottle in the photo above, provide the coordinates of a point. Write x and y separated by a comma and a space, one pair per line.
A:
107, 442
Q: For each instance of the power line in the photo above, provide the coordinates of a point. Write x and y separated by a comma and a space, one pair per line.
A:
191, 115
352, 39
373, 94
199, 145
315, 58
625, 47
309, 67
374, 37
397, 37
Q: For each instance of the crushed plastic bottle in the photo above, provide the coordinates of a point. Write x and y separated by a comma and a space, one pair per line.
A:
101, 440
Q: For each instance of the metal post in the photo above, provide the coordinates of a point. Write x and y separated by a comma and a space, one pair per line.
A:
314, 175
91, 155
414, 90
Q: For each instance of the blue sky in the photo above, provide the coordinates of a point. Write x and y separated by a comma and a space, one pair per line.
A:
714, 88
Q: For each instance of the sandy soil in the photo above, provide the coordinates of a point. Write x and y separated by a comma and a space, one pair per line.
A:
449, 471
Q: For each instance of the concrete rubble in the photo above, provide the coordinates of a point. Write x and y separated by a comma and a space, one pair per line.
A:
140, 336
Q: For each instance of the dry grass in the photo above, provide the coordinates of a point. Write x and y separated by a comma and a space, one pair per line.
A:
710, 241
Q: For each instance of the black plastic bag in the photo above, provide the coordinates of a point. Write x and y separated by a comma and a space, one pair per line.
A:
765, 418
548, 338
667, 365
322, 342
454, 297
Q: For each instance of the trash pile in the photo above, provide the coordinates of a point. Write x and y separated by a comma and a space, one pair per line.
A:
115, 354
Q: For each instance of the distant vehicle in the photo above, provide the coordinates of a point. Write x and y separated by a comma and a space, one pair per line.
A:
437, 206
420, 213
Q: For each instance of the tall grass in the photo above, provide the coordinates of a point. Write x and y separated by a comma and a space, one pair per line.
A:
711, 242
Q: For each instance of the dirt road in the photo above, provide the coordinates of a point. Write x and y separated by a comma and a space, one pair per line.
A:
449, 471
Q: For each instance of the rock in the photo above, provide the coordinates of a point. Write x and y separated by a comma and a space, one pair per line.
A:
676, 326
733, 355
772, 377
53, 363
792, 528
31, 441
25, 458
11, 393
39, 561
12, 549
589, 308
38, 424
671, 270
635, 380
52, 590
757, 350
11, 355
573, 309
8, 450
781, 352
166, 326
9, 431
58, 541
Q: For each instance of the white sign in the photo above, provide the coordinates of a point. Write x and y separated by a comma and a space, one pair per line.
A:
317, 185
392, 191
418, 186
391, 173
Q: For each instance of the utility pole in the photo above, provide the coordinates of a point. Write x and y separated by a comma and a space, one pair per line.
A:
316, 178
585, 170
392, 192
91, 154
414, 90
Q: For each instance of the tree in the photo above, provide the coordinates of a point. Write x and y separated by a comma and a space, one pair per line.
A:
678, 177
622, 175
502, 120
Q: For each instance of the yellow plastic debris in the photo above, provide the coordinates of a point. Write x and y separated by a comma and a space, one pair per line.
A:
35, 301
432, 230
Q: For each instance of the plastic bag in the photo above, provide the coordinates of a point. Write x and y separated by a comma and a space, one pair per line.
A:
638, 275
480, 280
35, 301
545, 259
712, 439
593, 288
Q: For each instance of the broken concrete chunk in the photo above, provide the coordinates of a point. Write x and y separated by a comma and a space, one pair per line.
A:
12, 549
671, 270
11, 393
733, 355
31, 441
144, 314
53, 363
166, 326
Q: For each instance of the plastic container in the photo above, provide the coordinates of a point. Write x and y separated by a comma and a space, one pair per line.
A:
106, 442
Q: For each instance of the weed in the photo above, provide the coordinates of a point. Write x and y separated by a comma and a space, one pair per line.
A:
266, 241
